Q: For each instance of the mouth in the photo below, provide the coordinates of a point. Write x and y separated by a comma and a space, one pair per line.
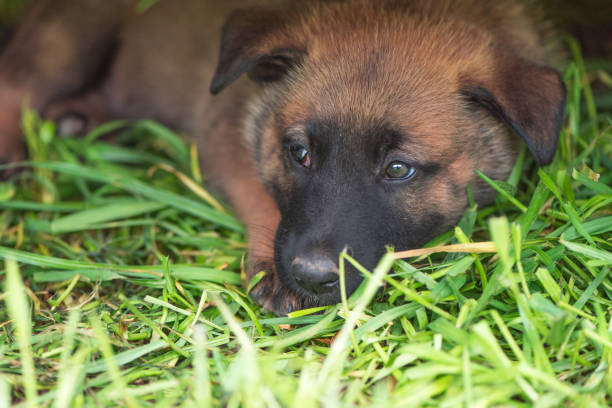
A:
310, 299
318, 289
323, 291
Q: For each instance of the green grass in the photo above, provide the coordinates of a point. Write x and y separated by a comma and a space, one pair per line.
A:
122, 287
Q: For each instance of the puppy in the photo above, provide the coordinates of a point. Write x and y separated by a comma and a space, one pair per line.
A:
334, 124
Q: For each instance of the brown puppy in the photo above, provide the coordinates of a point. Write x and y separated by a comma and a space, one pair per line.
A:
361, 126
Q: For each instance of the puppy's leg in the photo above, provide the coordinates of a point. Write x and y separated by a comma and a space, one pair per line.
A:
57, 51
229, 168
258, 211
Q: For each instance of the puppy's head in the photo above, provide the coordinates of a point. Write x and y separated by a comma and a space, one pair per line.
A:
371, 120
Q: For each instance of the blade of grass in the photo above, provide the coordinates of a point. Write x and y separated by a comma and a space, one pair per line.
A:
124, 209
471, 248
202, 386
125, 357
501, 191
192, 185
588, 250
19, 311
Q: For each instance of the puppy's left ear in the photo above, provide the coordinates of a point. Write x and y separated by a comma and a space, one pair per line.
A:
529, 99
253, 41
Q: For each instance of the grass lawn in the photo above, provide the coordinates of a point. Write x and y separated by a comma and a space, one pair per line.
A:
120, 285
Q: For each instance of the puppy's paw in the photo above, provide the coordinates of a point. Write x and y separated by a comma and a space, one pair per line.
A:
273, 296
72, 123
78, 116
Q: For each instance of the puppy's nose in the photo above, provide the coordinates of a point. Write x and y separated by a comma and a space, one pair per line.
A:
72, 123
315, 274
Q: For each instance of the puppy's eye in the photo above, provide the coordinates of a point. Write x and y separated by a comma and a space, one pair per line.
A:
398, 170
300, 154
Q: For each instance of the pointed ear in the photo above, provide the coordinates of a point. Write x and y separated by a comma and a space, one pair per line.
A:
253, 42
529, 99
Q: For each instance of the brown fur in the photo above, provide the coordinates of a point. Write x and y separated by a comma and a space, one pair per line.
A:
460, 79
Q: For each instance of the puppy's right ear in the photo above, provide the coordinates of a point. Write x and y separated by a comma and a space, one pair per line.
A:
254, 41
